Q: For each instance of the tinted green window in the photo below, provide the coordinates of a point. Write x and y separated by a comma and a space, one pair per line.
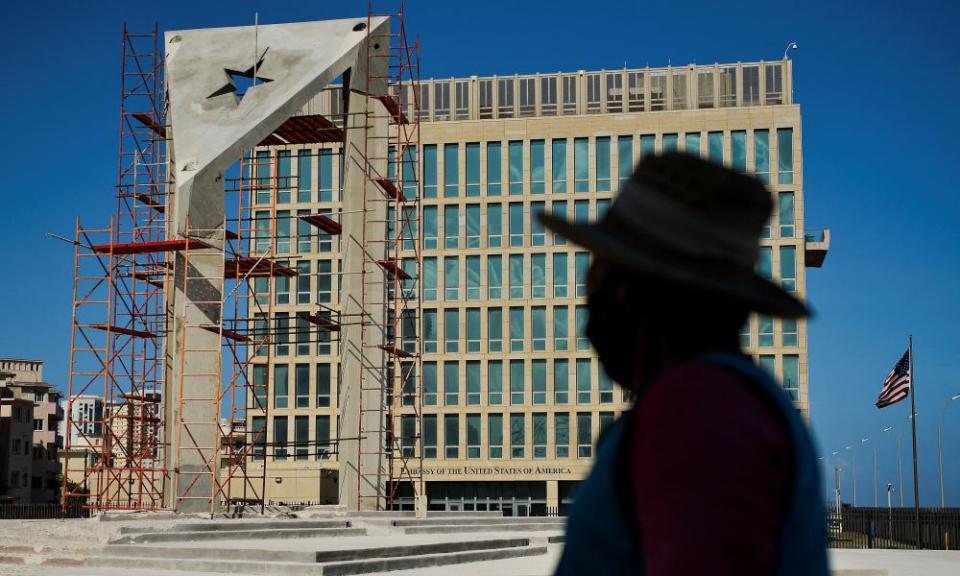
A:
473, 381
430, 383
410, 172
791, 375
451, 383
715, 145
325, 176
624, 158
495, 435
761, 155
430, 171
785, 155
691, 143
561, 434
495, 382
516, 276
537, 161
603, 163
517, 435
581, 169
304, 175
473, 169
738, 150
494, 277
670, 143
584, 382
451, 329
516, 382
494, 169
515, 167
451, 170
559, 162
788, 267
648, 144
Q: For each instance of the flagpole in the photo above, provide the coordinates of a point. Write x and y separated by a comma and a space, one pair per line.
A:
913, 427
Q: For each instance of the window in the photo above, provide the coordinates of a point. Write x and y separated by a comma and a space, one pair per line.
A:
505, 98
516, 329
281, 389
584, 383
451, 330
282, 321
429, 424
301, 437
745, 334
560, 321
260, 386
303, 282
785, 155
518, 435
705, 89
260, 331
606, 387
451, 383
791, 375
765, 262
528, 96
495, 329
738, 150
765, 330
581, 262
408, 435
603, 204
451, 277
670, 143
516, 223
538, 273
304, 173
302, 385
581, 170
495, 382
429, 330
280, 438
430, 278
548, 96
408, 383
751, 86
768, 363
495, 435
561, 381
424, 110
516, 276
603, 164
559, 209
322, 433
409, 172
606, 419
303, 333
774, 83
451, 436
581, 211
473, 225
494, 226
473, 278
451, 226
786, 215
322, 372
283, 176
761, 155
325, 174
262, 164
451, 170
691, 143
715, 147
788, 267
728, 87
635, 91
584, 433
324, 281
583, 343
473, 383
658, 91
259, 436
614, 92
538, 321
304, 233
680, 91
789, 327
539, 377
494, 171
430, 171
494, 277
538, 232
569, 94
593, 93
486, 99
473, 329
560, 275
441, 101
648, 144
473, 168
515, 167
561, 434
429, 384
539, 435
37, 422
537, 161
430, 241
624, 159
473, 435
261, 231
559, 166
516, 382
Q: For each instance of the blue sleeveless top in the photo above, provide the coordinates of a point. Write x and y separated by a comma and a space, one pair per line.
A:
600, 538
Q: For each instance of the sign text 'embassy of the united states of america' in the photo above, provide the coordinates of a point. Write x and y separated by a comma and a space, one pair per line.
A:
491, 470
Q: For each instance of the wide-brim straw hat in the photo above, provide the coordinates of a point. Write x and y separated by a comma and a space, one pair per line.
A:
690, 222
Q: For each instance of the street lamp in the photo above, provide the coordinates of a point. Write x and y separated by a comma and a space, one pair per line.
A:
940, 442
790, 46
836, 475
854, 448
875, 465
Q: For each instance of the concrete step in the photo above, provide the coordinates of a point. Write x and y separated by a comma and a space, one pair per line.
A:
237, 525
151, 537
260, 568
461, 528
473, 521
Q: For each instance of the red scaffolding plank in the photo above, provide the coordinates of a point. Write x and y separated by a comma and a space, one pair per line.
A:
228, 334
393, 108
255, 267
147, 121
393, 350
122, 330
391, 189
148, 247
324, 322
307, 129
325, 223
149, 201
393, 268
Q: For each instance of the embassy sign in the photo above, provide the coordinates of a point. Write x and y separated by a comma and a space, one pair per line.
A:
493, 471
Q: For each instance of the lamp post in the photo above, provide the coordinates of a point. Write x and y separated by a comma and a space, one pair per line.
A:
836, 482
940, 442
890, 490
790, 46
875, 465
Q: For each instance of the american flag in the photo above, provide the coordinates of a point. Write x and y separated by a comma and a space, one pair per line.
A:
897, 385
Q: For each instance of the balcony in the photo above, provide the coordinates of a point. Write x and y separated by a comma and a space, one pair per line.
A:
816, 243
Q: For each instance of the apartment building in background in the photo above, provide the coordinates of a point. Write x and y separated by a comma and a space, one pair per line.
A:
513, 397
30, 416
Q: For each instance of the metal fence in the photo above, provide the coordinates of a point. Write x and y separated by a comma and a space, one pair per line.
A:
894, 528
10, 511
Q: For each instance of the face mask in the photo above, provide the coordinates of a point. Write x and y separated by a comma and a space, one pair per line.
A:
612, 333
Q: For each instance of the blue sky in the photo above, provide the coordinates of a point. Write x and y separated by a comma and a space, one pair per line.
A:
877, 81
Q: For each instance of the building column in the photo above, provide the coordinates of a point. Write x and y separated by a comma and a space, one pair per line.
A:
553, 497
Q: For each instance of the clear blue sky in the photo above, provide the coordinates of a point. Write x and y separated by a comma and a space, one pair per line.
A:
877, 81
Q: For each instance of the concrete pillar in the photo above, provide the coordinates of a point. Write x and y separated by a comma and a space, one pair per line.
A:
553, 497
362, 462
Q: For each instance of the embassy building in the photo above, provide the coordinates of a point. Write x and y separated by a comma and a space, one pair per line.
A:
512, 397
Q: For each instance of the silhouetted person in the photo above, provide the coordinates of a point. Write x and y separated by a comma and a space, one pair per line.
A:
713, 470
